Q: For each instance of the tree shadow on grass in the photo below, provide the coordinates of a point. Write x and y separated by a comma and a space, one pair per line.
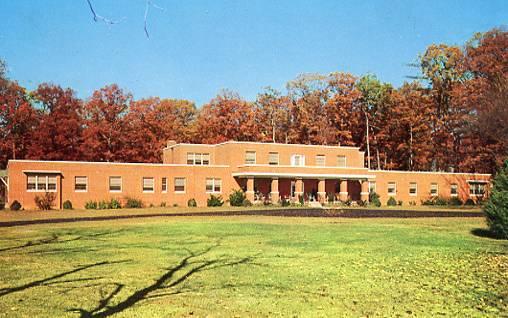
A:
53, 279
481, 232
57, 239
167, 281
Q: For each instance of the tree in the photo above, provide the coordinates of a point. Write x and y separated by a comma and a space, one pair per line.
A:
17, 121
272, 115
106, 130
496, 208
152, 122
58, 134
227, 117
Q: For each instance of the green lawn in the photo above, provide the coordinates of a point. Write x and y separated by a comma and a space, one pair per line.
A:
253, 266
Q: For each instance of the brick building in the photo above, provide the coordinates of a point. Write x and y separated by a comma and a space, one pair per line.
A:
265, 171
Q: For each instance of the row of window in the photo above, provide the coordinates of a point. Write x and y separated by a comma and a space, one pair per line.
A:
475, 189
43, 183
295, 160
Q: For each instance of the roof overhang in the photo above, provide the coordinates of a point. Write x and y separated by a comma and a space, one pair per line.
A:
304, 175
43, 171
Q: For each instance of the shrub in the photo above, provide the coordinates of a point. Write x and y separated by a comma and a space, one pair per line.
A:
214, 200
391, 202
496, 208
67, 205
440, 201
46, 201
163, 204
115, 204
192, 203
455, 201
15, 206
374, 199
330, 197
413, 203
469, 202
237, 197
246, 202
133, 203
151, 205
2, 205
103, 205
301, 199
175, 205
399, 202
285, 202
428, 202
91, 205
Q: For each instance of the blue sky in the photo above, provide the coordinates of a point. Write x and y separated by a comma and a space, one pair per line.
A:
197, 48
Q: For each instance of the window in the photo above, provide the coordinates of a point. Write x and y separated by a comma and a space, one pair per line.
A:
341, 161
476, 188
372, 186
392, 188
298, 160
213, 185
80, 184
273, 158
413, 188
148, 184
164, 184
180, 185
41, 183
434, 189
320, 160
250, 157
454, 190
205, 159
198, 158
115, 184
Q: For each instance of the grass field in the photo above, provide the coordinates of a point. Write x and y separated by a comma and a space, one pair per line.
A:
253, 266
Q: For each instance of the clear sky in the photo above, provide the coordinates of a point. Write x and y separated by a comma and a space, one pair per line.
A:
197, 48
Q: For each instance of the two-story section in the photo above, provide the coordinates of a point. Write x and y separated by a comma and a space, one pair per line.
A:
274, 171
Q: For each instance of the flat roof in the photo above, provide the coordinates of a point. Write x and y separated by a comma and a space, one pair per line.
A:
261, 143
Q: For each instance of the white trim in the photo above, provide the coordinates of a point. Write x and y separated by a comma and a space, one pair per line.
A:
343, 193
184, 185
364, 193
143, 185
213, 185
430, 172
437, 189
5, 182
81, 191
311, 167
121, 184
388, 188
303, 175
260, 143
114, 163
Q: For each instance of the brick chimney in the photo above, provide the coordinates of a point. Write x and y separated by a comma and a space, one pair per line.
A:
171, 143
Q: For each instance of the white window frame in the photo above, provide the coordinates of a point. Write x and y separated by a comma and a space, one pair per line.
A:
164, 185
473, 186
121, 184
249, 161
372, 186
345, 161
42, 179
215, 182
394, 188
415, 187
86, 184
273, 163
456, 186
184, 185
320, 157
301, 160
437, 189
143, 184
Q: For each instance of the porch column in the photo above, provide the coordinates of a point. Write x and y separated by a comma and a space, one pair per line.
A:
364, 195
343, 191
274, 193
298, 187
250, 189
321, 190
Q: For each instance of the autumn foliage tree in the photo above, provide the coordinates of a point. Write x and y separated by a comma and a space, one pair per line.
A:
59, 128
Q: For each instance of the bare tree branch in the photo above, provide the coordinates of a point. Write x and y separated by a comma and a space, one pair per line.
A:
148, 4
98, 18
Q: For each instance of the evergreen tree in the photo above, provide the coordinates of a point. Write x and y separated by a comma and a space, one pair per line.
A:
496, 208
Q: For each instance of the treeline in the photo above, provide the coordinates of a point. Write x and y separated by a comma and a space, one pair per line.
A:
453, 117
